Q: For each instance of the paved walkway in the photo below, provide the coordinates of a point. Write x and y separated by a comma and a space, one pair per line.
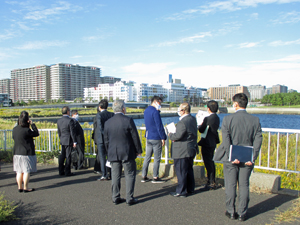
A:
81, 200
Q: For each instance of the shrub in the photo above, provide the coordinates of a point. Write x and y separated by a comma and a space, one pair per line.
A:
6, 209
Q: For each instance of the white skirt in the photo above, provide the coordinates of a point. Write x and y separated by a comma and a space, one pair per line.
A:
25, 163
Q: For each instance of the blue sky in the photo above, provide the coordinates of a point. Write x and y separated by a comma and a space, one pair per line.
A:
203, 43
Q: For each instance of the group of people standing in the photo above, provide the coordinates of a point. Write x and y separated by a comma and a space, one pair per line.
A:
118, 143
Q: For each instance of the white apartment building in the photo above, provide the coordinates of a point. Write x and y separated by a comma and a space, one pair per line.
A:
30, 84
5, 86
144, 92
119, 90
256, 91
68, 81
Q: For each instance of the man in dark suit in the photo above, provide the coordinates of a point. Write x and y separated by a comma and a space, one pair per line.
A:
242, 129
184, 150
123, 145
80, 141
209, 142
102, 116
67, 136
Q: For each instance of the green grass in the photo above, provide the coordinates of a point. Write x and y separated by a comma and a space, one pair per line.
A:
7, 209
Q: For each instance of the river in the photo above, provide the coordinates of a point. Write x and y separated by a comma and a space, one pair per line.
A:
266, 120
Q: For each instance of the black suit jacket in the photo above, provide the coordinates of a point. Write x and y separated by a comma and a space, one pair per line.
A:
79, 134
66, 130
23, 137
101, 118
239, 128
185, 138
121, 138
212, 137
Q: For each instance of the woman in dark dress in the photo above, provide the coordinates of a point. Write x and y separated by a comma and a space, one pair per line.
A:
24, 151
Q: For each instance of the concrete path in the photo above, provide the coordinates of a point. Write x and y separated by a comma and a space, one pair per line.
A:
81, 200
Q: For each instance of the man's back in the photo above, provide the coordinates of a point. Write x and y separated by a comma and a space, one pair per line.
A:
154, 127
242, 129
64, 126
121, 138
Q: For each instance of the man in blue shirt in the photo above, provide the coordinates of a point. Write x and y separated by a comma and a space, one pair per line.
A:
156, 136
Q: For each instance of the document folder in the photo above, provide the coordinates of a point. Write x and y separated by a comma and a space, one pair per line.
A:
242, 153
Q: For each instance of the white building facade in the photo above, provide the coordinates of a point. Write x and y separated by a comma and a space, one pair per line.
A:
256, 91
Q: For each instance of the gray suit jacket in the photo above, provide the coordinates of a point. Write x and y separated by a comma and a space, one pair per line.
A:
185, 139
239, 128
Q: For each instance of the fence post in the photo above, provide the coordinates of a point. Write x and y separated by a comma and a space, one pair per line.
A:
4, 136
50, 140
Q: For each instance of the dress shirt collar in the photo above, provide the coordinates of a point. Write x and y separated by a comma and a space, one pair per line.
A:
180, 118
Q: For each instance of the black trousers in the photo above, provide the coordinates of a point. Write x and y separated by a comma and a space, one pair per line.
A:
185, 175
207, 155
97, 166
64, 168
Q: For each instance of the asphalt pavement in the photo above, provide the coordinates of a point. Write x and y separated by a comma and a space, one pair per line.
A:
81, 199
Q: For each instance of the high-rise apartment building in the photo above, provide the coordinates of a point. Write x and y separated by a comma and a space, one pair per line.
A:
68, 80
5, 86
109, 80
226, 93
57, 81
30, 84
256, 91
279, 89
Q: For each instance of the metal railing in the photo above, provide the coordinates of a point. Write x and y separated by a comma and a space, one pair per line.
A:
279, 151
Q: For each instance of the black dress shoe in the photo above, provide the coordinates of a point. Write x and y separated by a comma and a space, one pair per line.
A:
190, 192
119, 200
242, 218
231, 216
61, 174
70, 174
28, 190
175, 194
132, 201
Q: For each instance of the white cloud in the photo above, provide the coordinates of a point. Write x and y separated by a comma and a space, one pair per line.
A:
254, 16
290, 17
269, 72
228, 6
192, 39
282, 43
249, 44
54, 10
76, 56
145, 69
198, 51
7, 35
41, 45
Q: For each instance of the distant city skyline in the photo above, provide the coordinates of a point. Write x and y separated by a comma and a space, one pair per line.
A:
203, 43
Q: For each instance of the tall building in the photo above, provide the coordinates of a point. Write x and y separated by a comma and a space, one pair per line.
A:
256, 91
109, 80
5, 86
226, 93
30, 84
57, 81
4, 99
279, 89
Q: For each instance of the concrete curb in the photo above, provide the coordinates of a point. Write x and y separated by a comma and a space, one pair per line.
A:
267, 182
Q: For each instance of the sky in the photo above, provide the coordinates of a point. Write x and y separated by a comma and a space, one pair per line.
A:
203, 43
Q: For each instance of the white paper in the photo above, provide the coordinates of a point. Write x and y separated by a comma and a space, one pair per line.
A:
108, 164
171, 128
200, 116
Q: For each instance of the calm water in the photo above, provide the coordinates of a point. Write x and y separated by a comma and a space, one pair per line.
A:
266, 120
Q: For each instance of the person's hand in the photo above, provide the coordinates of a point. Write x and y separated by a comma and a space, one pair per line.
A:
74, 145
29, 121
163, 143
138, 154
248, 163
236, 161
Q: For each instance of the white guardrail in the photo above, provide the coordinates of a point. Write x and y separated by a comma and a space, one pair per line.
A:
279, 151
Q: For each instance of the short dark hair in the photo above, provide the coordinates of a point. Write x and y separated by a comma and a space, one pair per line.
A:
73, 111
213, 106
156, 98
241, 99
103, 104
65, 110
23, 119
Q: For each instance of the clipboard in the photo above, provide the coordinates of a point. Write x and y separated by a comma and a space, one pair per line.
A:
242, 153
